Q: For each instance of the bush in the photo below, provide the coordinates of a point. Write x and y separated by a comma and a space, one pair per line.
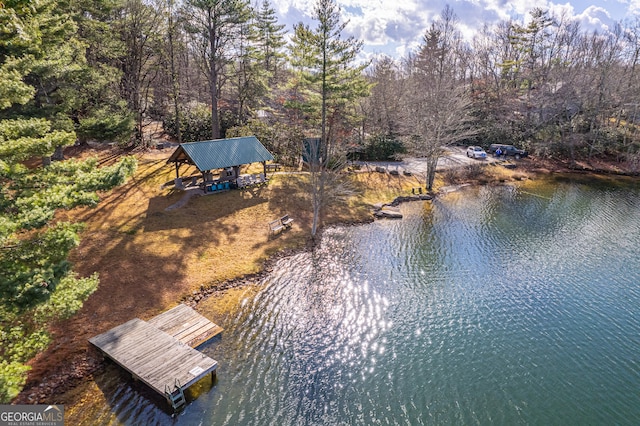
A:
13, 376
195, 123
463, 174
265, 133
380, 148
107, 124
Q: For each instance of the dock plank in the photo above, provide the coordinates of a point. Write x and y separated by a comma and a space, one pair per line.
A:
186, 325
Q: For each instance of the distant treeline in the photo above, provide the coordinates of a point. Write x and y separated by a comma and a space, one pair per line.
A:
107, 67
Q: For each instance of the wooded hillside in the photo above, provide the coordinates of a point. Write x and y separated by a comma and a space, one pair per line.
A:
114, 65
102, 70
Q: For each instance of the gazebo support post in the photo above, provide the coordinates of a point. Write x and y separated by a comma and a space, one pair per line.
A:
177, 169
264, 168
236, 173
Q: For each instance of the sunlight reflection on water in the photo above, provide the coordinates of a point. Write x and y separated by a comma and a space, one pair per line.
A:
489, 306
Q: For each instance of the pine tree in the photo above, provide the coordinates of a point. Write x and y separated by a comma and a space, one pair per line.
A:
269, 40
327, 71
74, 86
331, 86
36, 280
250, 78
215, 25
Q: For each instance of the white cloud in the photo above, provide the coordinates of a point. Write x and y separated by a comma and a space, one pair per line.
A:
394, 27
595, 18
284, 7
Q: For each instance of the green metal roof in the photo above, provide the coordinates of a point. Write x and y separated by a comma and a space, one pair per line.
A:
221, 153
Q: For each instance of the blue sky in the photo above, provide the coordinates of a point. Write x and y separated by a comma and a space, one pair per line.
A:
395, 27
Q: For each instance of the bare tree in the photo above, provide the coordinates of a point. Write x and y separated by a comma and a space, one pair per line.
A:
382, 108
327, 183
438, 106
215, 25
139, 26
172, 34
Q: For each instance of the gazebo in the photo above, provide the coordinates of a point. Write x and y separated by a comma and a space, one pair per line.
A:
227, 155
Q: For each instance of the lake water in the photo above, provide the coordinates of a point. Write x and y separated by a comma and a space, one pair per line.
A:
492, 305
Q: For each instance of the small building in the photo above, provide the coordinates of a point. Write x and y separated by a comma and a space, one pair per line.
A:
223, 155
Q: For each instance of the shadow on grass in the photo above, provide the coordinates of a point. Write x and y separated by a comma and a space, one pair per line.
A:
199, 212
139, 276
149, 259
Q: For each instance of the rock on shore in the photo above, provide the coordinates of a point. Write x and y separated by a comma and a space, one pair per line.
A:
391, 211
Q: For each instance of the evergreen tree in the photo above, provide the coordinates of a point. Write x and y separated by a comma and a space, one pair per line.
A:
76, 89
250, 78
270, 40
332, 85
326, 63
36, 280
531, 63
215, 25
259, 56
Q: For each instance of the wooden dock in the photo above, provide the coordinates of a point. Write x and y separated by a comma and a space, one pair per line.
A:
186, 325
160, 353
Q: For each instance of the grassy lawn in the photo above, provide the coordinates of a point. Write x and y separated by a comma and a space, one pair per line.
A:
150, 258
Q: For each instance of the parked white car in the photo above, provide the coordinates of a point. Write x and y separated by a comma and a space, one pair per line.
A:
476, 152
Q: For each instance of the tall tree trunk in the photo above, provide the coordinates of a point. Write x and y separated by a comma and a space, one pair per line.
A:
325, 142
213, 79
175, 84
215, 121
432, 164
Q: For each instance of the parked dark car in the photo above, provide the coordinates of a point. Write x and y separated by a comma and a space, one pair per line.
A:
508, 150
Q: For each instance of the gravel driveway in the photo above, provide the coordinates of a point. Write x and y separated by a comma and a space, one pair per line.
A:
455, 157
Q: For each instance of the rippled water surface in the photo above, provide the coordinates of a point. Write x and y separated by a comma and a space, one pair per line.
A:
490, 305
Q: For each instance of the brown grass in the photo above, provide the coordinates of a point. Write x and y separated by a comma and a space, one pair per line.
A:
149, 259
383, 187
482, 174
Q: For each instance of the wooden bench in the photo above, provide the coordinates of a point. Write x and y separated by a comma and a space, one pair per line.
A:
286, 221
278, 225
274, 166
275, 226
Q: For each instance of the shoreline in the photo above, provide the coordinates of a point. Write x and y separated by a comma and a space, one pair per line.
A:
53, 387
83, 366
79, 370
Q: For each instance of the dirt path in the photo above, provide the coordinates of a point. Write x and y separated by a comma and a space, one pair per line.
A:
188, 194
455, 157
